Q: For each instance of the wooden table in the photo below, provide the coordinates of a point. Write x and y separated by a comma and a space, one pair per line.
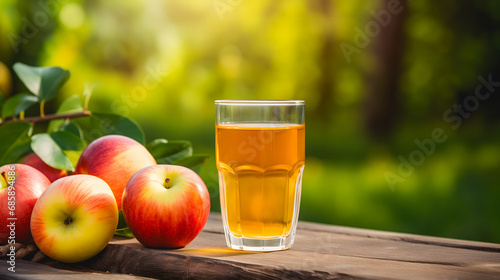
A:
320, 252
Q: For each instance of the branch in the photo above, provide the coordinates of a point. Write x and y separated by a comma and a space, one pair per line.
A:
46, 118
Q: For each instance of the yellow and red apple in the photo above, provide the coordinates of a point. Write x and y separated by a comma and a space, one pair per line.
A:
166, 206
75, 218
20, 188
115, 159
50, 172
5, 80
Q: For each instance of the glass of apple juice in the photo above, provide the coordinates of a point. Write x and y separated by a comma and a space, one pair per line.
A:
260, 159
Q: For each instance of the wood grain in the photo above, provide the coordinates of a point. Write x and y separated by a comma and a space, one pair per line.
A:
27, 270
320, 252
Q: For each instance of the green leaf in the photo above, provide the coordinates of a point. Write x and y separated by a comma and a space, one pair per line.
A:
68, 141
154, 145
87, 93
20, 102
14, 141
72, 104
125, 232
73, 156
105, 124
167, 152
121, 220
73, 128
43, 82
122, 228
60, 149
192, 162
50, 152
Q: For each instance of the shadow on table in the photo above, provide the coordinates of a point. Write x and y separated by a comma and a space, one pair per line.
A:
216, 252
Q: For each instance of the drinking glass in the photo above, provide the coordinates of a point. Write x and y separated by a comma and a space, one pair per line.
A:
260, 159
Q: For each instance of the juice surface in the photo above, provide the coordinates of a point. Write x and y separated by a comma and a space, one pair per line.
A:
261, 167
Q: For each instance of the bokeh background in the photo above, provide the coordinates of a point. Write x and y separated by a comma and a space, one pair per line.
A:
377, 77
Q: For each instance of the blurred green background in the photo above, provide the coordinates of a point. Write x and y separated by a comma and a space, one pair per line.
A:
377, 76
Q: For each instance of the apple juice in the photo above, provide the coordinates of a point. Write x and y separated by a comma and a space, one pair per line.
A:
260, 166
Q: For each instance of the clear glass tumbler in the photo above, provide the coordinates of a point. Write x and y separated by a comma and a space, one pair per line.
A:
260, 158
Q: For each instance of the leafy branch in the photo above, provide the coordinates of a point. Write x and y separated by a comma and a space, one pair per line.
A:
72, 126
46, 118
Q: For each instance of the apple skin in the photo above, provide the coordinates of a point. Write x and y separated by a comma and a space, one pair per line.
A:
50, 172
75, 218
161, 217
29, 184
115, 159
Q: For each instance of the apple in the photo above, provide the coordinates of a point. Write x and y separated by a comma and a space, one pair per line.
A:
75, 218
166, 206
114, 158
5, 81
52, 173
20, 187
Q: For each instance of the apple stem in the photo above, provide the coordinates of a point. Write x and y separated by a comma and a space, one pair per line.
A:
68, 221
166, 183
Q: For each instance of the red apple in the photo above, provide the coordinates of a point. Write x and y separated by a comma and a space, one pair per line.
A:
20, 187
75, 218
50, 172
166, 206
115, 159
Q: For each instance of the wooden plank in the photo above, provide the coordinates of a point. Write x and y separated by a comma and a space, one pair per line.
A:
31, 270
320, 252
